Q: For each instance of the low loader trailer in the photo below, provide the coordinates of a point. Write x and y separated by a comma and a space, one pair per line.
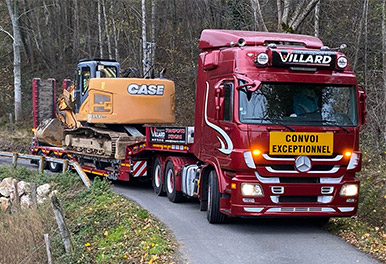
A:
276, 132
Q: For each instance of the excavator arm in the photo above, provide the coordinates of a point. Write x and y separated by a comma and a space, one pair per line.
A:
65, 109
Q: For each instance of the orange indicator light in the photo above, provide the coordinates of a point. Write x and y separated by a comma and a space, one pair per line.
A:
348, 153
233, 186
256, 152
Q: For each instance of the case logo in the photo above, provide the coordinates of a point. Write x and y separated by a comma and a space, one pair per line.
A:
144, 89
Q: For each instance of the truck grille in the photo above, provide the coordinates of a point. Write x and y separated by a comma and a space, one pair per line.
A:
298, 199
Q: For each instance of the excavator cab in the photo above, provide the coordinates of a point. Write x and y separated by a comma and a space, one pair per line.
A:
91, 68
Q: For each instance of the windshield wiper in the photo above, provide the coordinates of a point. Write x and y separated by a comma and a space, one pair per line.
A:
332, 123
274, 122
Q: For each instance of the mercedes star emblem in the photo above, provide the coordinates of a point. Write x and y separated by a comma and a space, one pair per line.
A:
303, 163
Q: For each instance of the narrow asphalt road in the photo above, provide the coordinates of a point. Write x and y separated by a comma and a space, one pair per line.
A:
240, 240
243, 240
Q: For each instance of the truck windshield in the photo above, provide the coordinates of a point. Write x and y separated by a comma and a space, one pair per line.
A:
299, 104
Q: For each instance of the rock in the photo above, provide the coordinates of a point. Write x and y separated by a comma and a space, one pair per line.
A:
41, 199
54, 192
23, 188
43, 190
25, 202
4, 204
6, 187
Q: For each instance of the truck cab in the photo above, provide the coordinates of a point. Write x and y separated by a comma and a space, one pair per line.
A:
277, 120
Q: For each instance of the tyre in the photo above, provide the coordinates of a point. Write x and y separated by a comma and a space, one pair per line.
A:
213, 213
157, 178
40, 153
170, 181
53, 166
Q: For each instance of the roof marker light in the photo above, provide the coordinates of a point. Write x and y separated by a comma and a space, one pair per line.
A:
262, 59
342, 62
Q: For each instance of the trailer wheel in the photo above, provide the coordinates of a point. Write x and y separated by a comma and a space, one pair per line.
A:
53, 166
213, 213
40, 153
157, 178
170, 181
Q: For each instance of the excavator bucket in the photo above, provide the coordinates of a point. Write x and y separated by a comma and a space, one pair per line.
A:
50, 132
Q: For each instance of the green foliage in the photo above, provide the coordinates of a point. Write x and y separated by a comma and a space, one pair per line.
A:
104, 226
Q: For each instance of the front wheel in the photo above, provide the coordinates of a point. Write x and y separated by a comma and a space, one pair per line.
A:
213, 213
170, 181
157, 178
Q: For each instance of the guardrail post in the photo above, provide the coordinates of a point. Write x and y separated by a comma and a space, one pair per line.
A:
81, 174
14, 159
65, 166
41, 164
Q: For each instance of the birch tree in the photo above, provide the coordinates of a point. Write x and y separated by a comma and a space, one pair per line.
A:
258, 16
145, 60
107, 30
16, 56
100, 29
152, 31
291, 19
316, 22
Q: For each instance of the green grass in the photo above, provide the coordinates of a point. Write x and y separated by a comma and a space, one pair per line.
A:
105, 227
367, 230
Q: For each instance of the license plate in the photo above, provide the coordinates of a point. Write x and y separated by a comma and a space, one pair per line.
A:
292, 143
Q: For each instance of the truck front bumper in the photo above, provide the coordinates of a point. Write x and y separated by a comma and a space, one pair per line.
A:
289, 199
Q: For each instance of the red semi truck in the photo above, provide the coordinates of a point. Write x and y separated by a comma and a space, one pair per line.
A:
276, 132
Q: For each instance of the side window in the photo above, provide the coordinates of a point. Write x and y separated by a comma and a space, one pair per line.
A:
228, 101
86, 74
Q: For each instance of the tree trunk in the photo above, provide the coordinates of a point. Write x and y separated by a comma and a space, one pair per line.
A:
16, 57
107, 30
145, 60
366, 7
259, 20
279, 14
76, 29
114, 30
153, 46
316, 22
100, 29
359, 35
286, 7
298, 18
384, 58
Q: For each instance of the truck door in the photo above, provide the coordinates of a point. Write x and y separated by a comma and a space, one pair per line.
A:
219, 130
224, 118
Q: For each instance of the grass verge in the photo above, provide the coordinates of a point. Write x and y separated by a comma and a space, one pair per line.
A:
367, 230
104, 226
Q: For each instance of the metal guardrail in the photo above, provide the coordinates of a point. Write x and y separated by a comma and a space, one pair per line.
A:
42, 159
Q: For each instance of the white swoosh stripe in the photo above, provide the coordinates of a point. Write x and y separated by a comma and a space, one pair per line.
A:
224, 150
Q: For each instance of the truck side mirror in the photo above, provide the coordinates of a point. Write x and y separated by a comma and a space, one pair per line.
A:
219, 99
253, 85
211, 60
362, 108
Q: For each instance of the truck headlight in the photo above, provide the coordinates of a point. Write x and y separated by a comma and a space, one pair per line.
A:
251, 189
349, 189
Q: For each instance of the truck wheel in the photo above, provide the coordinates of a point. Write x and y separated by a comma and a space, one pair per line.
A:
170, 181
213, 213
53, 166
157, 178
40, 153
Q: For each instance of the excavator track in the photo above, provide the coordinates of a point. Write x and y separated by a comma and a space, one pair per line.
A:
98, 142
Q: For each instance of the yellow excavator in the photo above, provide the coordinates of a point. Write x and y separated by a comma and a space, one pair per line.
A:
102, 113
